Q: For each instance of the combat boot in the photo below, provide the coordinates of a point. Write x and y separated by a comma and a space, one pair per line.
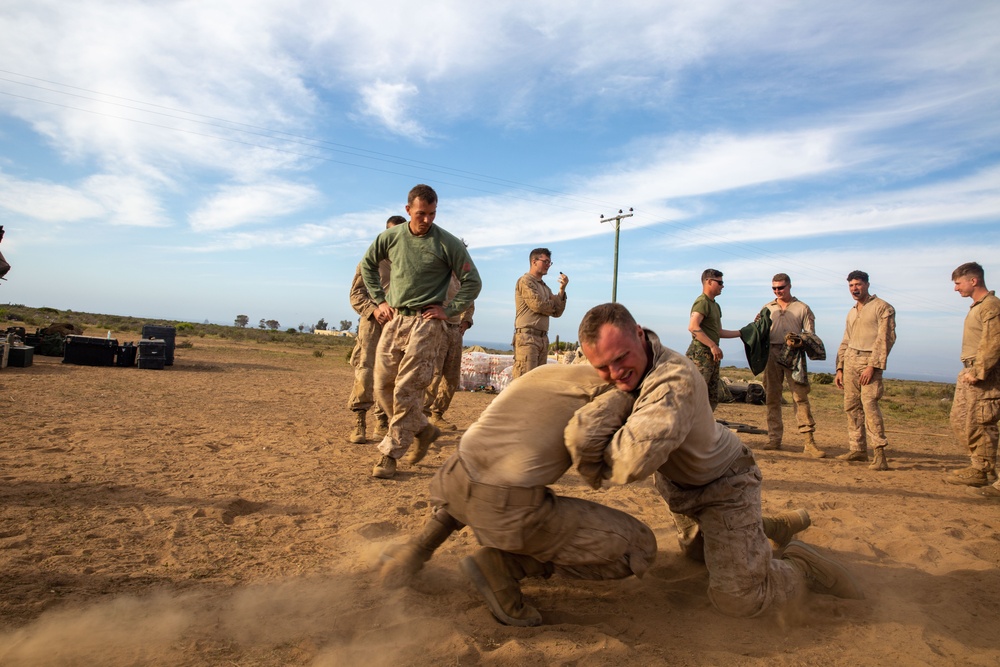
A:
385, 468
967, 477
822, 574
358, 436
422, 442
381, 425
438, 420
811, 449
880, 462
401, 561
772, 445
781, 528
495, 574
854, 455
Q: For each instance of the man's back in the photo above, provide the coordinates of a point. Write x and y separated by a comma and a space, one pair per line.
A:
518, 439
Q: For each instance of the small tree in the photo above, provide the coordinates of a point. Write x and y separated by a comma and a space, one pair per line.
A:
242, 321
302, 327
273, 325
321, 325
345, 325
262, 324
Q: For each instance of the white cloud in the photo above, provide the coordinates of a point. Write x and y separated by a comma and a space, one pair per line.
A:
48, 202
387, 104
971, 200
238, 205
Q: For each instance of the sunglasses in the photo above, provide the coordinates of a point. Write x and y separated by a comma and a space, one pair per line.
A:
545, 261
778, 288
720, 283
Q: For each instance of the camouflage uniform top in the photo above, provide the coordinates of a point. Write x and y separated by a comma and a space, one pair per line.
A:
981, 337
505, 448
711, 325
464, 316
871, 327
422, 267
361, 300
670, 428
534, 303
795, 318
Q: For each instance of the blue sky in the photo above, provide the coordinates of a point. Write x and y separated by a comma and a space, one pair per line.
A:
200, 160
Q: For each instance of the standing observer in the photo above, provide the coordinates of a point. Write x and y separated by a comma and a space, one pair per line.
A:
706, 330
534, 303
868, 338
423, 257
788, 316
976, 408
362, 396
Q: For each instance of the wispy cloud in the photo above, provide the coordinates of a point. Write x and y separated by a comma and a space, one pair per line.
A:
238, 205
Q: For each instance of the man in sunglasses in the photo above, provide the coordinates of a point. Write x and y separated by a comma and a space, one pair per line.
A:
534, 304
706, 330
788, 316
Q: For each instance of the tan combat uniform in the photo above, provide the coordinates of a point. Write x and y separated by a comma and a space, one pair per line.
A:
369, 330
976, 408
868, 339
796, 318
706, 475
496, 482
443, 386
534, 303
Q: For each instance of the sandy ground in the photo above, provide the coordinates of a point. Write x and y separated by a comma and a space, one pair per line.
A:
214, 513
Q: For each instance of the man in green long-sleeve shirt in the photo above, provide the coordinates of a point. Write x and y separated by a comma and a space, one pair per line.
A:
423, 257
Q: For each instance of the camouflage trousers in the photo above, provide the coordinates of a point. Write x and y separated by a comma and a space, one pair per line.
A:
442, 388
775, 377
404, 365
865, 425
580, 538
974, 415
701, 355
530, 351
362, 396
721, 524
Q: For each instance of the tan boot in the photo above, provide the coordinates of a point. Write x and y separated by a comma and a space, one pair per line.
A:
854, 455
811, 449
781, 528
358, 436
880, 462
381, 425
438, 420
401, 561
385, 468
495, 574
822, 574
422, 443
967, 477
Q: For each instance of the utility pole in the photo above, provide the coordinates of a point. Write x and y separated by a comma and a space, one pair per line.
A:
618, 219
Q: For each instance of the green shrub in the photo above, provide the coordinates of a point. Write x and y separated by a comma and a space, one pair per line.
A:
317, 353
822, 378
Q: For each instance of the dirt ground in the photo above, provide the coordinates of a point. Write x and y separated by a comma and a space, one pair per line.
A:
215, 513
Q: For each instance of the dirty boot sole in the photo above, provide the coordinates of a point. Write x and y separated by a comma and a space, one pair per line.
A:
478, 579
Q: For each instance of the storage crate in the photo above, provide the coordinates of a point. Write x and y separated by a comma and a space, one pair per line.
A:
167, 334
126, 355
20, 356
152, 354
90, 351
